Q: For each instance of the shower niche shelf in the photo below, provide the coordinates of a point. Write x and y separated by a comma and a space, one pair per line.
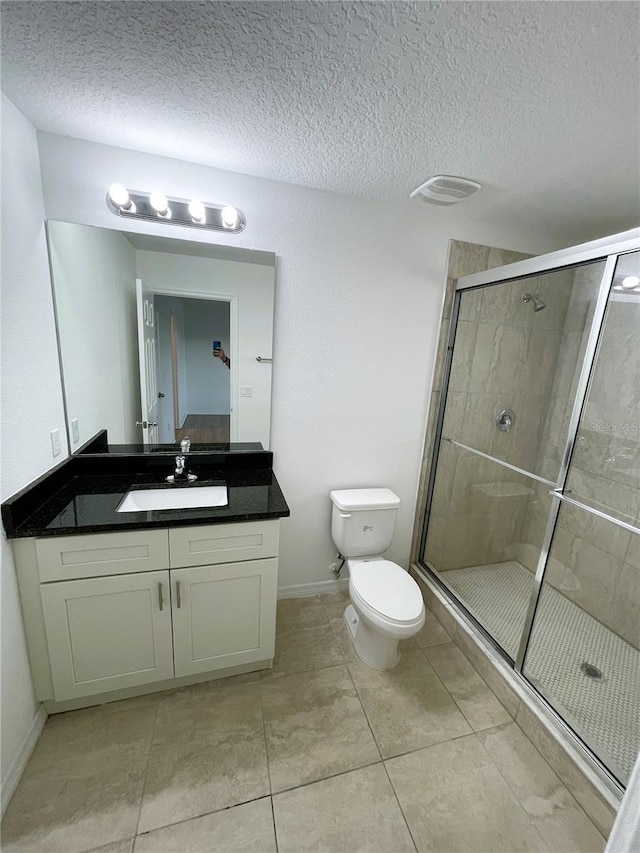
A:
503, 490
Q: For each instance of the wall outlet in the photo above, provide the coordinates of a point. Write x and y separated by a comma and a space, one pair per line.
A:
246, 390
75, 430
55, 442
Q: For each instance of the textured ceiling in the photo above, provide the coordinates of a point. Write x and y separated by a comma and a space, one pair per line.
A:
536, 100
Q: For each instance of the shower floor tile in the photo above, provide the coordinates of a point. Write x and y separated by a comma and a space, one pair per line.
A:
604, 712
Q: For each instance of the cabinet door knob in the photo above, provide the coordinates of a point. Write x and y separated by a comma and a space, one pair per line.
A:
178, 598
160, 597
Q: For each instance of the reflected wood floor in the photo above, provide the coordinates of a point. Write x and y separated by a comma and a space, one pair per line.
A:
205, 429
320, 753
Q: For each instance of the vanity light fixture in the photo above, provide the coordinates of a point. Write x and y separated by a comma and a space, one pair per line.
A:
229, 216
159, 203
157, 207
119, 197
198, 212
629, 285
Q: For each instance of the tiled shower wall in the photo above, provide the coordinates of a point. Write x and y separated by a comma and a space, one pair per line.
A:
507, 356
464, 259
504, 357
565, 376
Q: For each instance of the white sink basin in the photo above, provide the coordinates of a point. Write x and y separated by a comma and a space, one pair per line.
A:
144, 500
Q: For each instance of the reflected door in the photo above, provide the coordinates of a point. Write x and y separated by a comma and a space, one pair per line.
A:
147, 363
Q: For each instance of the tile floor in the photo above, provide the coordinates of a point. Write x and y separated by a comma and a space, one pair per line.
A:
322, 753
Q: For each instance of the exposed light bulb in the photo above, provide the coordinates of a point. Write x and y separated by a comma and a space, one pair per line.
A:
176, 211
197, 211
229, 216
159, 203
630, 282
120, 197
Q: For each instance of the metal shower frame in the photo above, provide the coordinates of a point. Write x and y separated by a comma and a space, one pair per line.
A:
608, 250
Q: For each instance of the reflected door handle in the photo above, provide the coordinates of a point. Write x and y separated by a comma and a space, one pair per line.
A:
178, 596
160, 394
160, 597
145, 424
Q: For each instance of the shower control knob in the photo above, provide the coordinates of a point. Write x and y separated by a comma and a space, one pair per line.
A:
505, 420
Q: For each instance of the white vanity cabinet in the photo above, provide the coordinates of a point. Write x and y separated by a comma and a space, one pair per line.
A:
116, 611
108, 633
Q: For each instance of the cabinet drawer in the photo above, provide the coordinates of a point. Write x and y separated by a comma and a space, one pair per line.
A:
223, 543
98, 554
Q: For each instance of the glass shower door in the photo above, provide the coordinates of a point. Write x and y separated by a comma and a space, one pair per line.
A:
515, 365
583, 652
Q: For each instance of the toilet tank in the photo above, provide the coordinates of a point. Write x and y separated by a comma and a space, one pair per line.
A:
363, 520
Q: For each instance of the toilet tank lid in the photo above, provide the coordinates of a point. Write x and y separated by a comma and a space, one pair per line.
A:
353, 499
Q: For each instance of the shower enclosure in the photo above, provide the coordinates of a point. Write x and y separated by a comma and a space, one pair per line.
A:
533, 505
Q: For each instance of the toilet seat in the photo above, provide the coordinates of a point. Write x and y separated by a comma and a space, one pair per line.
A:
386, 593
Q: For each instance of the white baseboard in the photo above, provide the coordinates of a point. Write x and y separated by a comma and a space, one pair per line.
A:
10, 781
300, 590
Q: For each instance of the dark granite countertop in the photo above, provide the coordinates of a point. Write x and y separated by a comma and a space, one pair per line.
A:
82, 496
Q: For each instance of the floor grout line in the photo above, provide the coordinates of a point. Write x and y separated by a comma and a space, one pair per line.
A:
326, 778
402, 812
266, 752
146, 773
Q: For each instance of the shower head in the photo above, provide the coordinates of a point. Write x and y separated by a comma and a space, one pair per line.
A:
538, 305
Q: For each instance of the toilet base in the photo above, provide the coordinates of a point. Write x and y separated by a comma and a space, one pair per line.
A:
377, 650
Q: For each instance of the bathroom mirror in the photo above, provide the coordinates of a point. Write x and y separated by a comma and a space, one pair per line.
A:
137, 317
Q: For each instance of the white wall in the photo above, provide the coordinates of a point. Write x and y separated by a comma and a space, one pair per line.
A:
207, 378
31, 399
359, 286
94, 273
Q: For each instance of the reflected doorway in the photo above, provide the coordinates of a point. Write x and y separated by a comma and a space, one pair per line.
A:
194, 387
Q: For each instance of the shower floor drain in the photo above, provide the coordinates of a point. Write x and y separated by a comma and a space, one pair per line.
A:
591, 671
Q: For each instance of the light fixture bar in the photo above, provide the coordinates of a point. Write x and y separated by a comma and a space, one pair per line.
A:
193, 213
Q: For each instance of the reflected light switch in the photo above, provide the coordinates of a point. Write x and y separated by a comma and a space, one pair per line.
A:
246, 391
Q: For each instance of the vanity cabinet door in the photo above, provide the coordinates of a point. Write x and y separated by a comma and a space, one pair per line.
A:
108, 633
223, 615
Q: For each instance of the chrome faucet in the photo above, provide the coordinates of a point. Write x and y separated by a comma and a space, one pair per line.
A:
180, 475
185, 444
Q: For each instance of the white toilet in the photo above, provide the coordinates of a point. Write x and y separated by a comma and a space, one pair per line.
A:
386, 603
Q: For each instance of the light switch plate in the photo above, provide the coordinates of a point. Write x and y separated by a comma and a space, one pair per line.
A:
55, 442
75, 430
246, 390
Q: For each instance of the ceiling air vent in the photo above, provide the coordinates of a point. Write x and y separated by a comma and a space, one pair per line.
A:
446, 189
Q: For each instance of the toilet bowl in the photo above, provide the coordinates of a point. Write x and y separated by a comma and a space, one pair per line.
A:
386, 603
386, 607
